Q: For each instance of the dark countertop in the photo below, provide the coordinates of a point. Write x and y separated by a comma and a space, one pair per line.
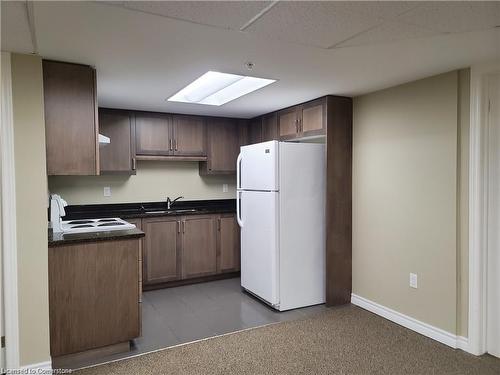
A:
60, 239
130, 211
149, 209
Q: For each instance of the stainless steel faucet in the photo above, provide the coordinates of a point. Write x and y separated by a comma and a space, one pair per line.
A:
170, 202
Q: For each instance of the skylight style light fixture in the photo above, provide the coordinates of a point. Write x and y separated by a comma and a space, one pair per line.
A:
215, 88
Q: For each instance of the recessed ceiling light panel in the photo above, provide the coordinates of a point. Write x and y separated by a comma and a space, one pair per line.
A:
215, 88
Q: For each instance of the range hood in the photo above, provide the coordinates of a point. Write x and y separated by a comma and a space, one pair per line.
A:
103, 140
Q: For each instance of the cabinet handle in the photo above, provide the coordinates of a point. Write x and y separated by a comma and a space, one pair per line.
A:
170, 144
133, 164
175, 143
184, 226
178, 227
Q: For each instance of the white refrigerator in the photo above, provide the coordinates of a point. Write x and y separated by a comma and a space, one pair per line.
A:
281, 212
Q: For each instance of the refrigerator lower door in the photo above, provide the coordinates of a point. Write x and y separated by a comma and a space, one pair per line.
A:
259, 244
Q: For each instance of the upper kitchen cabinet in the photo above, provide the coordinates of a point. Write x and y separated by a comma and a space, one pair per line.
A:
255, 131
153, 132
71, 127
270, 127
223, 146
189, 135
302, 121
170, 137
118, 156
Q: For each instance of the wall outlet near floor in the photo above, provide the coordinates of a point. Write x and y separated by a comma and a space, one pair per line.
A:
107, 191
224, 188
413, 280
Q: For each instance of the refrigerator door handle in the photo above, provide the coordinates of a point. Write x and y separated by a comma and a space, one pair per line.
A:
238, 171
238, 209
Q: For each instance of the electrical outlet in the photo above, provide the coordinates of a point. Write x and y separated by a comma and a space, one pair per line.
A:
107, 191
413, 280
224, 188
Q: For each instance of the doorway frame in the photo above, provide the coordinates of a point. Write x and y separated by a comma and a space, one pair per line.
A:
8, 219
478, 206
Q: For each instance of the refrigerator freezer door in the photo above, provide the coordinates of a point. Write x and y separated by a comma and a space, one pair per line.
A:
259, 244
258, 167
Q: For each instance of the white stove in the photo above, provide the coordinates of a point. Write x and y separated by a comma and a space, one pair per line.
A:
95, 225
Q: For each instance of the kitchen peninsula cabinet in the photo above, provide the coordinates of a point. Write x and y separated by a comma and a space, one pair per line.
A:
93, 296
71, 127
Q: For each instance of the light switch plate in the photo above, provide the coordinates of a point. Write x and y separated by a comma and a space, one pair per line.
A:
224, 188
413, 280
107, 191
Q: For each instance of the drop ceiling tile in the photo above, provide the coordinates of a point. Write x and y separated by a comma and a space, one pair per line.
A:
15, 29
388, 32
453, 17
320, 24
224, 14
379, 9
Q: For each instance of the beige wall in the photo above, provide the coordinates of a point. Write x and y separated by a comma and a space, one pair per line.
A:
405, 201
155, 180
31, 201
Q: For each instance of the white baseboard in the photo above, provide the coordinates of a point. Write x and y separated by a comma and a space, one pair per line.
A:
38, 366
438, 334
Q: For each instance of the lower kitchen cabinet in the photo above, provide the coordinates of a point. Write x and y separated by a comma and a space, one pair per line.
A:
162, 246
199, 246
189, 247
228, 241
93, 295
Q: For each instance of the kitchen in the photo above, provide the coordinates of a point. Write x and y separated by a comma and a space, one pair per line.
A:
195, 189
185, 242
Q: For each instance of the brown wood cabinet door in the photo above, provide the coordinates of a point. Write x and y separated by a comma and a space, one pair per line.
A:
93, 295
288, 123
270, 127
189, 135
223, 146
255, 131
199, 244
117, 156
153, 133
313, 119
70, 119
228, 244
161, 249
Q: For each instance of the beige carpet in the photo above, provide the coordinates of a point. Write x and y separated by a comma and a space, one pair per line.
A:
345, 340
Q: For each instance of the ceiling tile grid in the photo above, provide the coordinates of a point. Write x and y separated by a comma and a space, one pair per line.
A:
319, 24
455, 16
389, 31
223, 14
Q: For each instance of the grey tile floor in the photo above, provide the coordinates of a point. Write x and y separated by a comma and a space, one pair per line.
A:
183, 314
